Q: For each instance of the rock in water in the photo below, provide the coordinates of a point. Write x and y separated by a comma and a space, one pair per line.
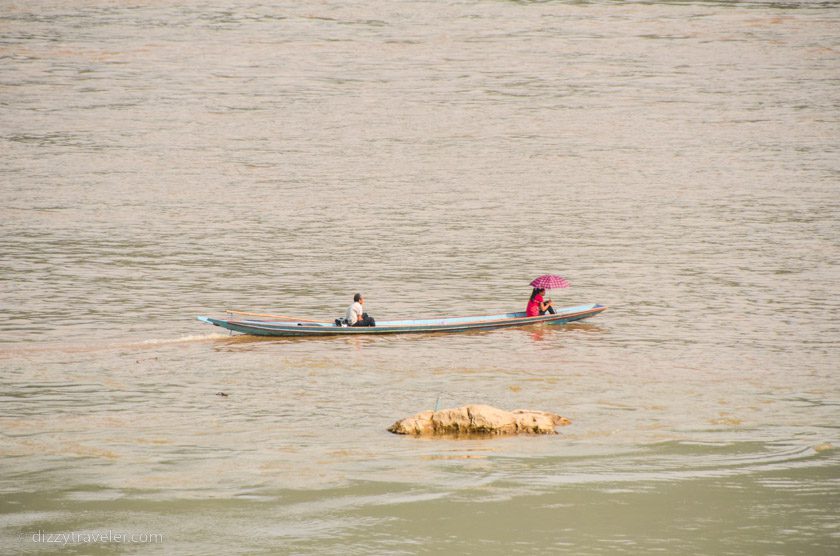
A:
479, 419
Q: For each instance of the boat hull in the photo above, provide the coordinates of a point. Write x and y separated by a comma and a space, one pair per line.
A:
458, 324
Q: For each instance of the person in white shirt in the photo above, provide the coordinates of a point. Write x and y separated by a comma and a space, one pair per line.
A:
356, 315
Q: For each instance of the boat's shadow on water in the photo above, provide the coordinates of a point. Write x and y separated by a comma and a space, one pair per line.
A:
536, 332
539, 333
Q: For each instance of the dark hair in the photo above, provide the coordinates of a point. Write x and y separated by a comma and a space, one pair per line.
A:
535, 292
357, 297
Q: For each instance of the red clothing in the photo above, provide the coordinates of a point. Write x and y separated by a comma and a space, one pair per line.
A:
533, 308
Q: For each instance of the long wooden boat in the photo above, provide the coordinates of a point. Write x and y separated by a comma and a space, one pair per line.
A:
270, 327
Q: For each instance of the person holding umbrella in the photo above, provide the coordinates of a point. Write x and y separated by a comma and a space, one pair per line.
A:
537, 305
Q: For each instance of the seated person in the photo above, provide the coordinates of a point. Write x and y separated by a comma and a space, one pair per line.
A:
537, 306
356, 315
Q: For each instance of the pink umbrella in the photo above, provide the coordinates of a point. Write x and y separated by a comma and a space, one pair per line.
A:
550, 282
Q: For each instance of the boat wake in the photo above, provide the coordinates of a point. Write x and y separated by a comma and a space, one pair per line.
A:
33, 349
182, 340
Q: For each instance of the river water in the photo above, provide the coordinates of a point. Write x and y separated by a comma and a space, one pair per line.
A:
676, 161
